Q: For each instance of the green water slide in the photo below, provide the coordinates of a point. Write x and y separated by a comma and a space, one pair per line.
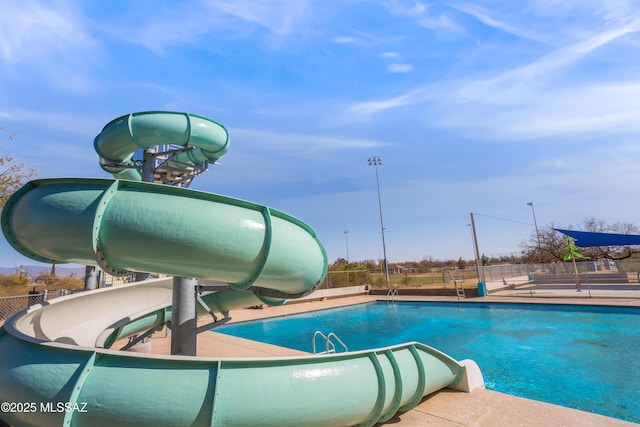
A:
57, 365
136, 226
202, 139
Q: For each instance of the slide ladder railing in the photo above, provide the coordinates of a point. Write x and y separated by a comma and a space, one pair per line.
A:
330, 346
171, 172
392, 295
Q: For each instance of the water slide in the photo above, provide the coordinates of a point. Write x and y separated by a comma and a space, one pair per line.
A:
203, 140
58, 365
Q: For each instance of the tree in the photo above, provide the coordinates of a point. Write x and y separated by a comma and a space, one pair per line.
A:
485, 260
611, 252
13, 175
545, 246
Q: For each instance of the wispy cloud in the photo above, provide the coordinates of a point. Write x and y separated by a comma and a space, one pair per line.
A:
302, 144
50, 41
424, 15
31, 31
363, 110
441, 24
391, 56
192, 22
484, 17
395, 63
586, 111
530, 100
282, 17
50, 121
400, 68
520, 83
346, 40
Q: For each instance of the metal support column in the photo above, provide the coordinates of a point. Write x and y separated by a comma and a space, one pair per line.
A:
148, 164
90, 275
183, 317
148, 167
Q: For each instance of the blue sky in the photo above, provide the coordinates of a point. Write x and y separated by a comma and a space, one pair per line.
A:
474, 106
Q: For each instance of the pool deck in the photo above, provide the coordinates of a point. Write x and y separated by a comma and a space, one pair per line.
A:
447, 408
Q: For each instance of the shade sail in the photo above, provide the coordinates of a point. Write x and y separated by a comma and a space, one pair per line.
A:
586, 239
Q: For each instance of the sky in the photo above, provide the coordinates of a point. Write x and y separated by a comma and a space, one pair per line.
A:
473, 106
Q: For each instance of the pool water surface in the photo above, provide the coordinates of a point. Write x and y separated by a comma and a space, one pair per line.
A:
583, 357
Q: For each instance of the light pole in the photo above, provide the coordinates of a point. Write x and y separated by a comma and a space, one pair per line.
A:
535, 223
346, 240
473, 242
375, 161
476, 251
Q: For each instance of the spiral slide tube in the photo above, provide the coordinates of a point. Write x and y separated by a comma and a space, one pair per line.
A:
57, 367
135, 226
204, 140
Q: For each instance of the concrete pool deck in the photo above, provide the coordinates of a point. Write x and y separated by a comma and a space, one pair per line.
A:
447, 408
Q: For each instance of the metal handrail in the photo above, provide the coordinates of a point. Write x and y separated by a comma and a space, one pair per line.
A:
392, 295
330, 346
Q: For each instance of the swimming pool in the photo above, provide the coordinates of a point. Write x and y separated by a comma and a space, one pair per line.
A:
583, 357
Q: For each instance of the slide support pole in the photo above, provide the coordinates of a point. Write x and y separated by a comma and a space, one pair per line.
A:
148, 167
183, 317
90, 275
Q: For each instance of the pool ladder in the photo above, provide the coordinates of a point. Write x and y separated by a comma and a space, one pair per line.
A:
459, 289
330, 346
392, 295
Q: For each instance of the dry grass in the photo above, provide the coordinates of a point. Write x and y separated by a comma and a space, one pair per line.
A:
13, 285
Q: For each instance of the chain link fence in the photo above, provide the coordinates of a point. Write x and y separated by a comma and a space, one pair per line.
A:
604, 271
611, 278
408, 278
345, 278
496, 276
505, 275
13, 304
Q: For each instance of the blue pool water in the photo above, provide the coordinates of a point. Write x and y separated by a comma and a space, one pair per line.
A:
584, 357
